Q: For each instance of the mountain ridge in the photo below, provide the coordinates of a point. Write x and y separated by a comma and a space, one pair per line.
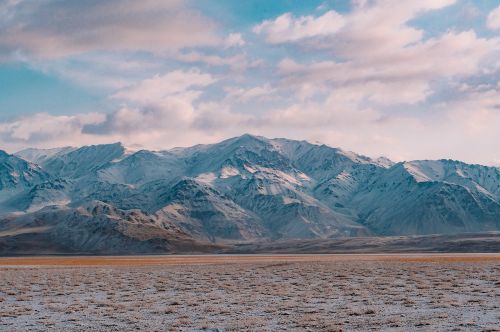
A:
251, 188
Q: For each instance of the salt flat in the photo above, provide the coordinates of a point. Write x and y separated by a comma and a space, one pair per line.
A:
252, 292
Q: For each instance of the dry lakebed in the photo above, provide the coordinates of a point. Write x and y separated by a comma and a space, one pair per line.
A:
393, 292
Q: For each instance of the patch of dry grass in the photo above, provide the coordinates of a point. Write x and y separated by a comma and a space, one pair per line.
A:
322, 294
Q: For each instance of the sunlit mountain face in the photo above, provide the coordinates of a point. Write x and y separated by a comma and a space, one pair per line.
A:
244, 189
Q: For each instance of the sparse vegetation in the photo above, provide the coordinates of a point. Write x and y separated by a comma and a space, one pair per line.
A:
315, 295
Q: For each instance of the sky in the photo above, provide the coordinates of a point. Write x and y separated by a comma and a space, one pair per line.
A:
402, 79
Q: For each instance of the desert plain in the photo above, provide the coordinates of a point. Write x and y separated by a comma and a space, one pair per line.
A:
393, 292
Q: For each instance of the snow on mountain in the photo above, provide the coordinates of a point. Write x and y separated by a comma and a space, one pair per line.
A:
475, 177
207, 214
320, 161
85, 161
288, 211
40, 156
18, 173
142, 167
240, 153
260, 175
93, 228
339, 190
53, 192
408, 199
252, 188
384, 162
17, 177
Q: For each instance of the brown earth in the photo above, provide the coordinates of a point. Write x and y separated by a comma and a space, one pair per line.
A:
407, 292
236, 259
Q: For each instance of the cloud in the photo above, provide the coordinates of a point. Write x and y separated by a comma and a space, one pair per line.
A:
57, 28
465, 128
159, 87
163, 102
372, 23
409, 70
493, 21
46, 129
376, 52
234, 39
368, 80
174, 114
237, 63
287, 28
237, 94
107, 72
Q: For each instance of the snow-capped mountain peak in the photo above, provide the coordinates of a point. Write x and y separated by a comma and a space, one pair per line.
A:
252, 187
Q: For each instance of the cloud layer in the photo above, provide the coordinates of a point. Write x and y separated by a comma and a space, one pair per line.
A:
60, 28
375, 79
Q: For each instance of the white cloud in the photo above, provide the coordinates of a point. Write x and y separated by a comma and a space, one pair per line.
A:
376, 24
237, 63
465, 128
287, 28
234, 39
46, 130
168, 123
155, 108
493, 21
391, 57
237, 94
102, 71
158, 88
368, 80
163, 103
56, 28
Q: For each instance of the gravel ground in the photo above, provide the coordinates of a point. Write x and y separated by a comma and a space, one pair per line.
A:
337, 295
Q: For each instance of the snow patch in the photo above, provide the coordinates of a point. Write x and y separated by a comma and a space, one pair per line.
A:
416, 173
304, 177
426, 170
37, 207
250, 169
207, 178
228, 172
344, 176
290, 200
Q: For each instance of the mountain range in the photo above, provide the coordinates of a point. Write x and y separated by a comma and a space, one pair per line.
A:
247, 189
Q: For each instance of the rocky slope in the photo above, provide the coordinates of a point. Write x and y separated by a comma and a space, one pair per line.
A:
93, 228
251, 188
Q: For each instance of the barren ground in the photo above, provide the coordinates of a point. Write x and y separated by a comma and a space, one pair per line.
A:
255, 293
